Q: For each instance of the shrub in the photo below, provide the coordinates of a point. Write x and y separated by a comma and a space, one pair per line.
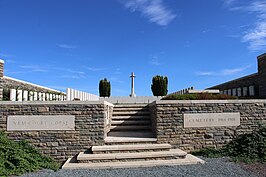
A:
245, 148
20, 157
199, 96
104, 88
159, 85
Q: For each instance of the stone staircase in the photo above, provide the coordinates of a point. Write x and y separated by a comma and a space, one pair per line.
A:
130, 143
131, 117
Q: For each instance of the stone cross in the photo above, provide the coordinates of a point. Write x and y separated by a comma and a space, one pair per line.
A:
132, 76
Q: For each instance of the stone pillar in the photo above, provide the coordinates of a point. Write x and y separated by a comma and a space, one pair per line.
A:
262, 75
1, 78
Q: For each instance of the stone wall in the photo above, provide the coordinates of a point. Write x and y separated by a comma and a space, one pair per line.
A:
262, 75
168, 121
241, 83
251, 86
90, 123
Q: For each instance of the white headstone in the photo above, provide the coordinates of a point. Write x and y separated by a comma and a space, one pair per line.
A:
75, 94
31, 95
43, 97
234, 91
68, 93
239, 92
245, 91
50, 97
40, 96
72, 95
25, 95
35, 96
251, 90
19, 95
47, 97
13, 95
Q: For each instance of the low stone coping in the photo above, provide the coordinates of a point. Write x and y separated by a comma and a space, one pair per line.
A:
209, 101
54, 103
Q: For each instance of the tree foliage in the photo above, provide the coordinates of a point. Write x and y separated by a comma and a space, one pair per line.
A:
104, 88
159, 85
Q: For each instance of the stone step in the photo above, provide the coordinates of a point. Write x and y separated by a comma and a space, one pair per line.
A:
131, 106
71, 163
172, 153
131, 113
127, 134
131, 109
134, 147
130, 127
130, 117
128, 140
130, 122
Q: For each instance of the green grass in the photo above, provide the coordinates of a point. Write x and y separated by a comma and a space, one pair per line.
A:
199, 96
246, 148
17, 158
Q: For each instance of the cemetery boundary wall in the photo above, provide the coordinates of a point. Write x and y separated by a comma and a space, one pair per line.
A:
168, 121
91, 124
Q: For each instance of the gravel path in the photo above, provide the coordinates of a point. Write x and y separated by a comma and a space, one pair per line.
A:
220, 167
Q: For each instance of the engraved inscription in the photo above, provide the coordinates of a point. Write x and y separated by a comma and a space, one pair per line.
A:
40, 122
211, 119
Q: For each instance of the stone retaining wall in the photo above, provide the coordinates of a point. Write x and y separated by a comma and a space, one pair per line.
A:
91, 126
168, 121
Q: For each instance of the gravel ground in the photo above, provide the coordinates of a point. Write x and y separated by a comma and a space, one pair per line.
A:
218, 167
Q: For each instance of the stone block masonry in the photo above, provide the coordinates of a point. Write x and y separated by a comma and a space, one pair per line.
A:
91, 125
168, 121
262, 75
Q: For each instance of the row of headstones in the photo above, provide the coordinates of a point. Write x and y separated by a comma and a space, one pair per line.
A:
244, 91
24, 95
72, 94
184, 91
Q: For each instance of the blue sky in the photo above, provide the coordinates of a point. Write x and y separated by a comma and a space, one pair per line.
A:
75, 43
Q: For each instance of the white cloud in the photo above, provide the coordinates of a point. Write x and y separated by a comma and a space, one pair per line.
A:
255, 35
34, 68
94, 69
72, 76
154, 59
224, 72
154, 10
155, 62
205, 73
66, 46
229, 2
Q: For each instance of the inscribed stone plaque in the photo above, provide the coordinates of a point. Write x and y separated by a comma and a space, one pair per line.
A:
211, 119
40, 122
